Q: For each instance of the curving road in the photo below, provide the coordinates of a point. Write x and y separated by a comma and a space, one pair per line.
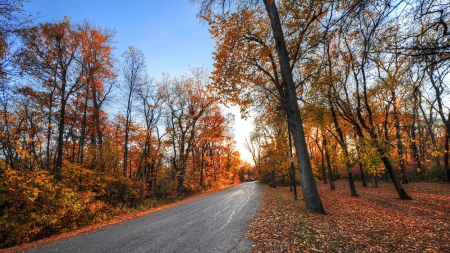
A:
215, 223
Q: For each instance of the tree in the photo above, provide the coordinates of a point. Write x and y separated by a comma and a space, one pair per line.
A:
133, 75
51, 54
151, 110
13, 20
186, 101
99, 77
360, 99
287, 90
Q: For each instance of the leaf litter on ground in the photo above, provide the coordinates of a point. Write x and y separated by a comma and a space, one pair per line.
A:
375, 221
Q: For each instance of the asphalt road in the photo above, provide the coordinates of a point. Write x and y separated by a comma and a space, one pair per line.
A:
214, 223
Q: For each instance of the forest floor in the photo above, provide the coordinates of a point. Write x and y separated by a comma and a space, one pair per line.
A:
375, 221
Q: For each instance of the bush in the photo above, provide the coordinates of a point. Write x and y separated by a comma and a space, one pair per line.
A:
33, 206
435, 174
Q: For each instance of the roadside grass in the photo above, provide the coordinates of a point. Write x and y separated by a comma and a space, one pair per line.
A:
375, 221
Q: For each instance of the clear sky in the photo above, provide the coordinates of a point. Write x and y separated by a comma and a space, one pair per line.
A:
167, 31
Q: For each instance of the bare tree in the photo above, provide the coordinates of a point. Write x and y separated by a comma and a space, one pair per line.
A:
133, 78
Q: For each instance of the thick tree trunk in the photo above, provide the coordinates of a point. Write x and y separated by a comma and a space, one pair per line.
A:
98, 123
351, 182
310, 192
401, 192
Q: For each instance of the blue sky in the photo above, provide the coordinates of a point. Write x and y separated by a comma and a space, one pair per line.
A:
167, 31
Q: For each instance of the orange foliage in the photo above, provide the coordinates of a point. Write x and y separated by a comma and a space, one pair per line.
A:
376, 221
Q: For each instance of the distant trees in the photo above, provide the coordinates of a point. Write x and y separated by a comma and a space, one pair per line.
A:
67, 158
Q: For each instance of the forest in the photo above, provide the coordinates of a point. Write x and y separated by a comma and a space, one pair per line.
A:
84, 136
356, 90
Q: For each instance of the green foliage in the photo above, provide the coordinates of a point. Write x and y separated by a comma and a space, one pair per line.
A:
435, 174
369, 155
165, 188
151, 203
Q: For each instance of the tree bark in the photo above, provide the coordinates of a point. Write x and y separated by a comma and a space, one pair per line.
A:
374, 181
352, 183
330, 172
324, 172
62, 117
363, 176
343, 144
401, 192
310, 192
399, 140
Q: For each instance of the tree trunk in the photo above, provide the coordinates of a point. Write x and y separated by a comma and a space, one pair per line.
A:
352, 183
49, 129
274, 180
83, 132
330, 172
324, 172
401, 192
399, 140
343, 144
127, 131
180, 183
336, 172
413, 144
310, 192
202, 183
363, 176
62, 117
292, 181
430, 131
446, 155
374, 181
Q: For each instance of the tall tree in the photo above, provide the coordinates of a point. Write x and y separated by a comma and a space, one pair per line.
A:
99, 76
51, 54
133, 75
283, 64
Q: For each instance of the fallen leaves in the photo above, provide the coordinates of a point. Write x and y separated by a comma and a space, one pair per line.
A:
376, 221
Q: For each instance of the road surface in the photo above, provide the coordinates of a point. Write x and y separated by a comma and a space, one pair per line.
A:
215, 223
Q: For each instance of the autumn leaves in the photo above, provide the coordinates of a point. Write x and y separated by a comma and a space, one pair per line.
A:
362, 66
